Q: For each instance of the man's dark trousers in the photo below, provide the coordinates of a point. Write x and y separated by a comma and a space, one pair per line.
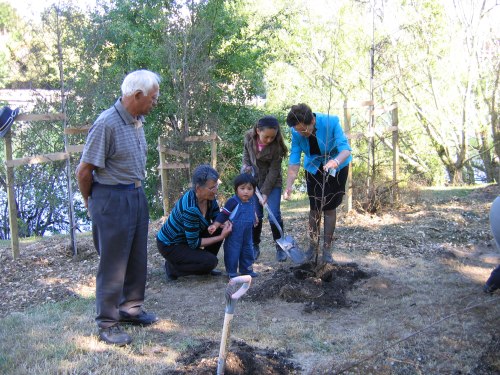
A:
120, 219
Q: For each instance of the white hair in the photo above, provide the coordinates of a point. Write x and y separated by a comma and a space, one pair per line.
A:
140, 80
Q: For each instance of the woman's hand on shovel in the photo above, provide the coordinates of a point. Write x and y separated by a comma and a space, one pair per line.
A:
264, 199
287, 194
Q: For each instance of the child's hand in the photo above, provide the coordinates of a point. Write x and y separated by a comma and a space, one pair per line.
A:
211, 229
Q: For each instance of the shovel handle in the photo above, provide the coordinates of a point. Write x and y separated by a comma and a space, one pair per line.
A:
269, 212
245, 280
258, 194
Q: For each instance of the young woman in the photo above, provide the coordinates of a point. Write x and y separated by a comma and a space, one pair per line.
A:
263, 153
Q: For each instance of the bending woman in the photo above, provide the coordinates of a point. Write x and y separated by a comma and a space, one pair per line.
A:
263, 153
184, 240
327, 155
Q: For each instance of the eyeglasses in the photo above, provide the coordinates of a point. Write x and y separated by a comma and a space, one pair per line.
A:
303, 128
213, 188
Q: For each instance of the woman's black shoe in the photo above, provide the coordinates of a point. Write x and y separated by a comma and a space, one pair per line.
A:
171, 275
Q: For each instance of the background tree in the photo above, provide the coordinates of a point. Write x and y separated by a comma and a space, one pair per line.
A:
218, 58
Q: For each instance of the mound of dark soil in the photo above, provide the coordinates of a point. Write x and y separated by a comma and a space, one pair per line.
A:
241, 359
321, 286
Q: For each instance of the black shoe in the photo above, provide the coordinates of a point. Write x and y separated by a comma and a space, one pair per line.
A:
256, 252
489, 288
280, 255
309, 254
327, 256
141, 319
215, 272
114, 336
171, 275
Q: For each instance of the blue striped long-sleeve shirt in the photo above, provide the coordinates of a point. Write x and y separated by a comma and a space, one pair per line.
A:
186, 222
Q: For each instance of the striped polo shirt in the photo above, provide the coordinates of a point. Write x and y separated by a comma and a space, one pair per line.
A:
186, 222
116, 147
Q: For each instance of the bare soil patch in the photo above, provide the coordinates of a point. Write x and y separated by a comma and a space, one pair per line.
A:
404, 297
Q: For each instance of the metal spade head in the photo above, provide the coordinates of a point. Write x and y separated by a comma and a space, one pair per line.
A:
291, 248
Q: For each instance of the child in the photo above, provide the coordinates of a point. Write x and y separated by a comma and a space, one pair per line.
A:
240, 210
263, 153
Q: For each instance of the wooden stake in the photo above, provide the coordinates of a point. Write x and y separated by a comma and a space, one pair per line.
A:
11, 198
395, 153
164, 177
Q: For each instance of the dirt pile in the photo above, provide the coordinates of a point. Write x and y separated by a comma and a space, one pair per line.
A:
322, 286
242, 359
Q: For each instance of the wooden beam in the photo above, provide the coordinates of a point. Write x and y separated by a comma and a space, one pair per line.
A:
174, 166
81, 130
197, 138
357, 135
37, 159
40, 117
162, 148
358, 104
377, 131
74, 149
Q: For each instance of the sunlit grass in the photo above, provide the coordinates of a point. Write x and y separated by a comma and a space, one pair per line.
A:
446, 192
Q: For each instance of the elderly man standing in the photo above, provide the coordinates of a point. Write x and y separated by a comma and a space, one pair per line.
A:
110, 177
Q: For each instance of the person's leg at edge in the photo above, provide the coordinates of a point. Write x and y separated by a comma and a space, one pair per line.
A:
187, 261
314, 228
257, 230
493, 282
114, 249
315, 193
134, 286
246, 257
333, 199
232, 250
330, 222
181, 260
274, 201
170, 271
213, 249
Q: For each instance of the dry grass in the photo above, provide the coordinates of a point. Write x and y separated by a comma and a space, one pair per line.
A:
423, 304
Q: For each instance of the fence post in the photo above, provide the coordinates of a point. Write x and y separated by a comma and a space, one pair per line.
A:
214, 151
395, 153
164, 178
11, 198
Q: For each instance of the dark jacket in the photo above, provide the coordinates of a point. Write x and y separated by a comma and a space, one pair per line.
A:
266, 164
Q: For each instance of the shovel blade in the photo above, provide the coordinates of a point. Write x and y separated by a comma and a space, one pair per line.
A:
291, 249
